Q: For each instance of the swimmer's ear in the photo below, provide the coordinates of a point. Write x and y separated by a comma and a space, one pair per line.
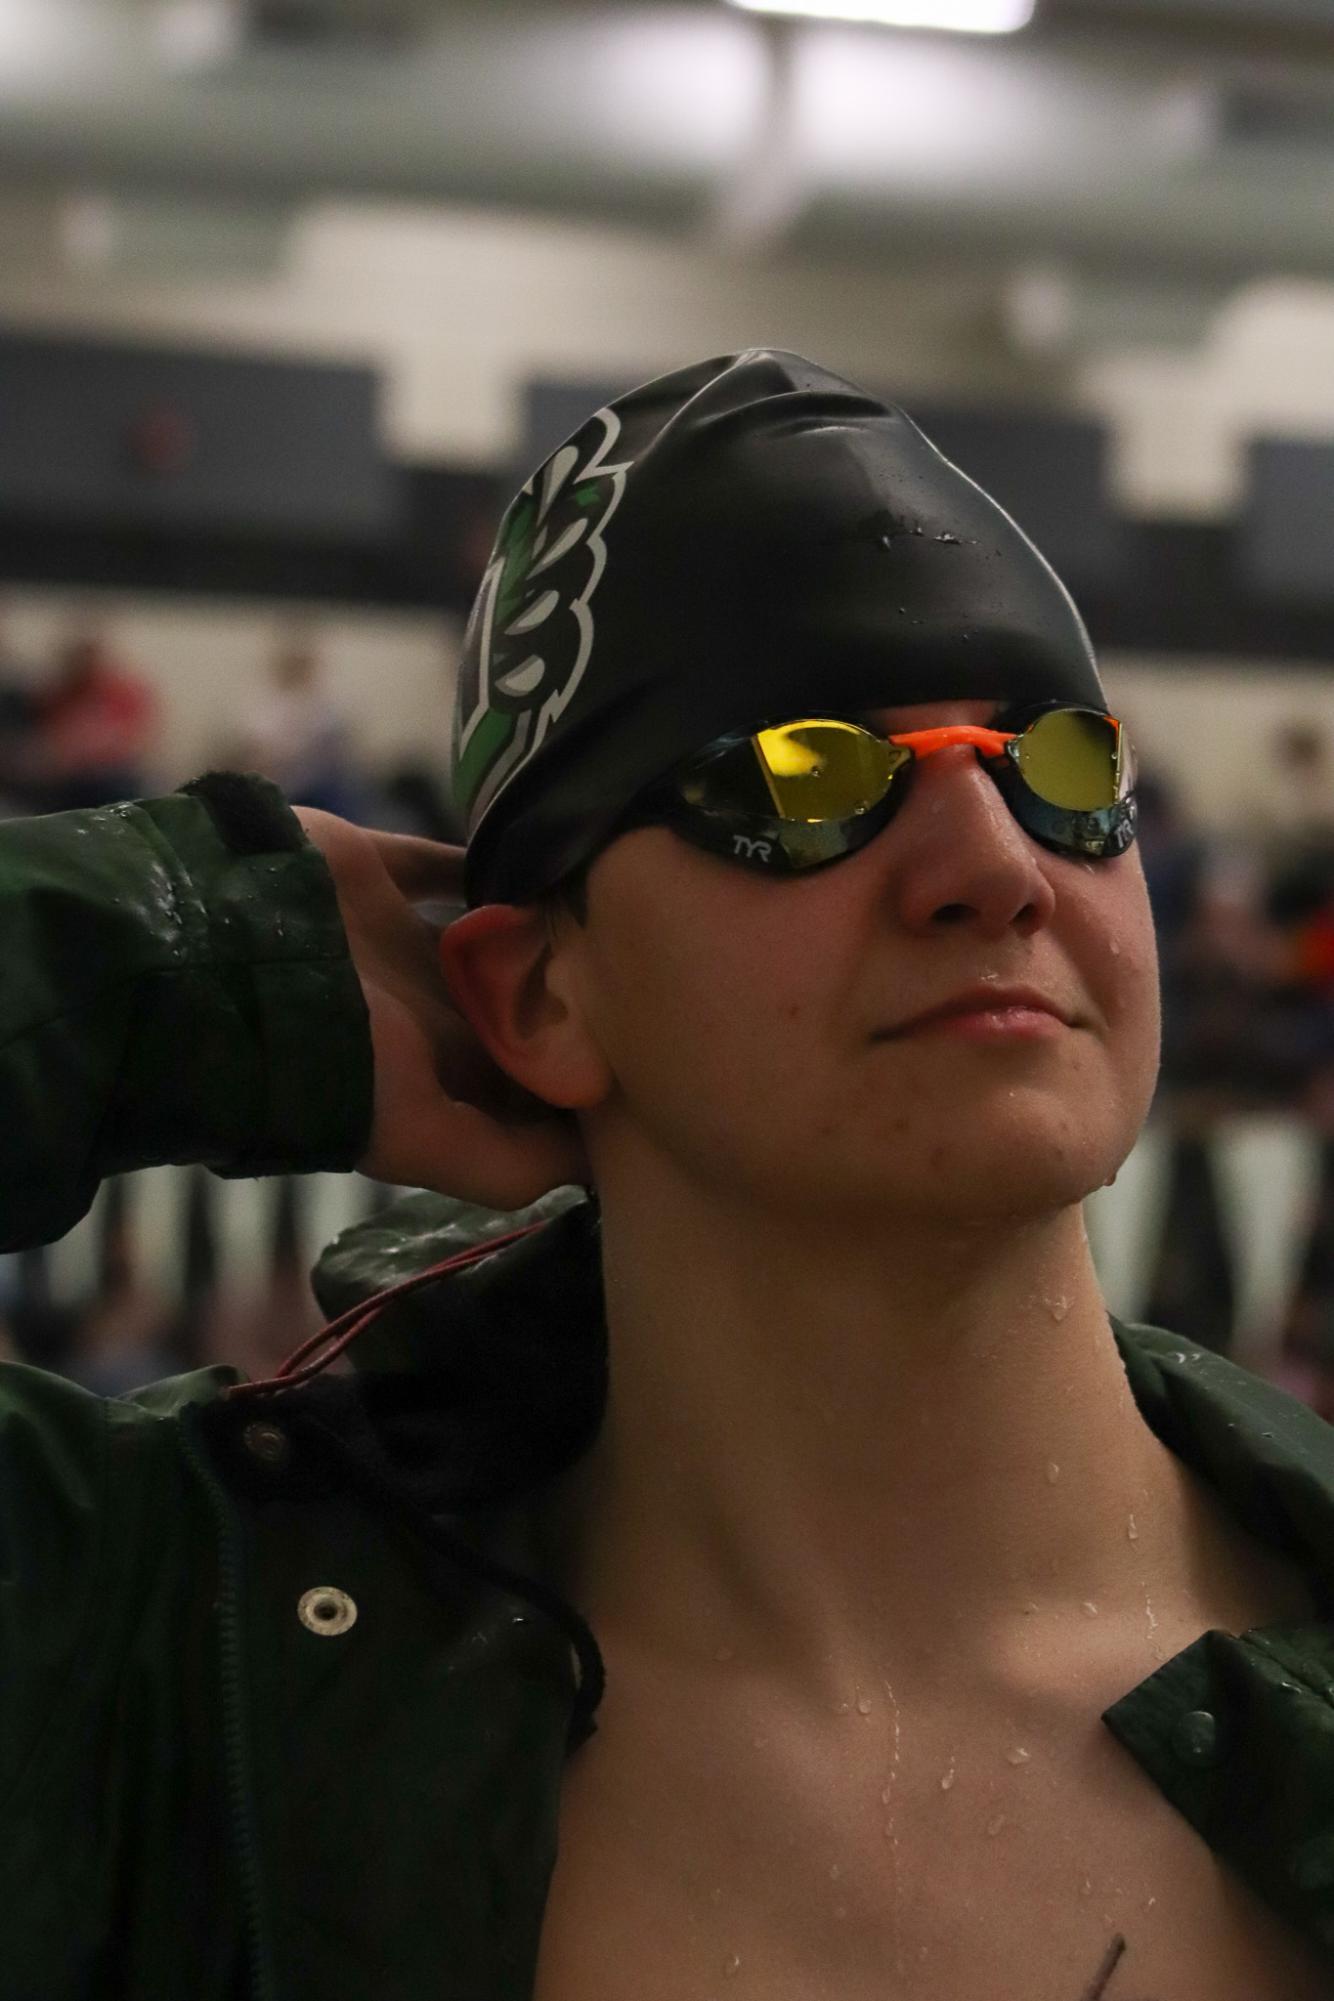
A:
520, 994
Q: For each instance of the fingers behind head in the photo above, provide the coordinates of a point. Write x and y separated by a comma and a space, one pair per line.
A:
422, 869
478, 1159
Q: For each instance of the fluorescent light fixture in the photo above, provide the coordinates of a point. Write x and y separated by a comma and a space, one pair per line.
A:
32, 35
960, 17
198, 35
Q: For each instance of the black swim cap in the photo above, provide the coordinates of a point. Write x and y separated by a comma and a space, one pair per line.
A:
733, 544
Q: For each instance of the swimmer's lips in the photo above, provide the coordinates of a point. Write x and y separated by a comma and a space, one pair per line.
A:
987, 1009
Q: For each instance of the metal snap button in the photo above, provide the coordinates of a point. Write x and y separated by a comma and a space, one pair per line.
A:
268, 1442
327, 1611
1195, 1738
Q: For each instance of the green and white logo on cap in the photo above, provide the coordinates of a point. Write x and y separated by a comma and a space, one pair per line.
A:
530, 634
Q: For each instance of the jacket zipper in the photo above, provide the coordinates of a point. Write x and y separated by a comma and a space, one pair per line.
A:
236, 1722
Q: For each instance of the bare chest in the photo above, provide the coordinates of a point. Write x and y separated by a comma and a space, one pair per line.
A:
890, 1855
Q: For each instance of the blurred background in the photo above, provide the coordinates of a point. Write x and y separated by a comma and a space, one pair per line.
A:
293, 292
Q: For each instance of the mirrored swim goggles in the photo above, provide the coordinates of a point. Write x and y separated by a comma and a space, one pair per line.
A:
795, 795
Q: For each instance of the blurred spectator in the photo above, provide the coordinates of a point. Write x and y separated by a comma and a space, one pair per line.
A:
97, 725
1219, 1052
125, 1338
1300, 818
296, 735
18, 731
1313, 948
1173, 857
1308, 1330
1300, 908
414, 801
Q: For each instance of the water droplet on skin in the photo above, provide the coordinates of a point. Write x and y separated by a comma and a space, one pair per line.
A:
863, 1705
1086, 1888
1152, 1901
1031, 1606
1053, 1473
734, 1964
952, 540
891, 1832
1090, 1609
995, 1826
842, 1708
1019, 1756
1116, 949
1058, 1308
948, 1780
1132, 1533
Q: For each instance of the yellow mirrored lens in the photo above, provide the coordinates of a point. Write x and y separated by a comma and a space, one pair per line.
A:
1074, 758
825, 770
789, 756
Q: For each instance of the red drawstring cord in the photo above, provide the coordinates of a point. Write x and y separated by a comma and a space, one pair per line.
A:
338, 1334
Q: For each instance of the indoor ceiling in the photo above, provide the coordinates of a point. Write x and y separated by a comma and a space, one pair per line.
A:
1178, 146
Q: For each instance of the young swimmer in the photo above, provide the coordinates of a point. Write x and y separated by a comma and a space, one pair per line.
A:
759, 1567
854, 1011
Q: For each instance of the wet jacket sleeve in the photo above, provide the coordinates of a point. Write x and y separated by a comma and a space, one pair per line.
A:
175, 985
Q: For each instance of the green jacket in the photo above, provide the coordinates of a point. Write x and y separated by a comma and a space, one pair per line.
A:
284, 1700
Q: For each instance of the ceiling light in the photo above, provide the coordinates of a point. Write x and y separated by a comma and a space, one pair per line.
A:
33, 34
963, 17
198, 35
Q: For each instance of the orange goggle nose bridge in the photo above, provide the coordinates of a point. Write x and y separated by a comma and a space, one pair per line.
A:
922, 742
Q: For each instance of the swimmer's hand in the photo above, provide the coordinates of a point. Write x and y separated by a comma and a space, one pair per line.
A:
445, 1116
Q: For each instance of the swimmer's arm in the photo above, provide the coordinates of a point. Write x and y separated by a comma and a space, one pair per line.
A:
175, 986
